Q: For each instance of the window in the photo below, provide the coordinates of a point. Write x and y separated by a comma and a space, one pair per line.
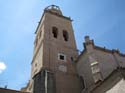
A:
96, 71
62, 57
95, 67
82, 82
72, 60
65, 35
55, 32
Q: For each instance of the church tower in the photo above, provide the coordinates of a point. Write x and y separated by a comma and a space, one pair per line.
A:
53, 65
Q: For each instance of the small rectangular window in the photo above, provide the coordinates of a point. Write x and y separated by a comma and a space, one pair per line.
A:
61, 57
95, 69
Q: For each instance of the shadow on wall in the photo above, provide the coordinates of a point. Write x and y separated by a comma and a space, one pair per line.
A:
115, 83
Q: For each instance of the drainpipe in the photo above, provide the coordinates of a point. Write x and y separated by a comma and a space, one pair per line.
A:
46, 76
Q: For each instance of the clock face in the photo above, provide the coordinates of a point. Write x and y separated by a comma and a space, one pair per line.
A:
62, 68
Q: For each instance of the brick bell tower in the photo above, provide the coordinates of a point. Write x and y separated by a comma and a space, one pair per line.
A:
55, 52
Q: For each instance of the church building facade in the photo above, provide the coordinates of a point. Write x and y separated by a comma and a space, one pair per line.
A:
58, 68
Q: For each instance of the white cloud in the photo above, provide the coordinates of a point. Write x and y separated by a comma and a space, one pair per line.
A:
2, 67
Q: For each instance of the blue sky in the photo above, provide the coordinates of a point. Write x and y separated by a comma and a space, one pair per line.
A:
102, 20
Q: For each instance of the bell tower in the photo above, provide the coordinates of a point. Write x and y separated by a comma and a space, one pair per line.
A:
55, 52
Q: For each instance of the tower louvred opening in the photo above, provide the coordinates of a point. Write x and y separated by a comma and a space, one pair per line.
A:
65, 35
55, 32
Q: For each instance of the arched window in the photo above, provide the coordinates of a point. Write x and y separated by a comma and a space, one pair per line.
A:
55, 32
65, 35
